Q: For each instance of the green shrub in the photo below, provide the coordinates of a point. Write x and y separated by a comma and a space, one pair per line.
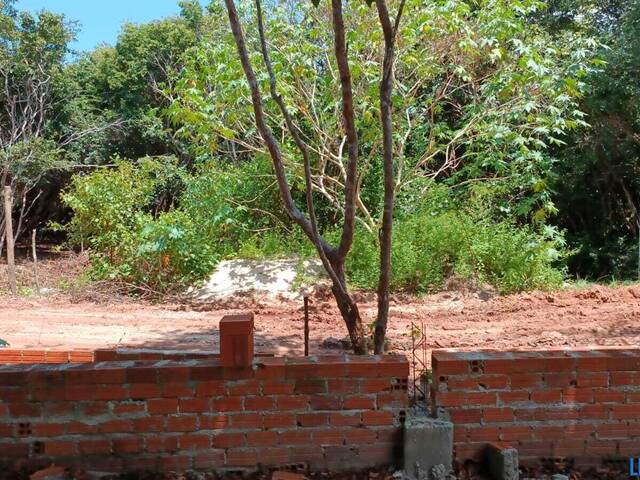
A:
433, 244
235, 212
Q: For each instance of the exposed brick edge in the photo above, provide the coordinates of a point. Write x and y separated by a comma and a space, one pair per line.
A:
326, 411
581, 403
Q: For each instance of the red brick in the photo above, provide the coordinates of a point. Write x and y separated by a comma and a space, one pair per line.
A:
345, 385
210, 389
292, 402
279, 387
115, 426
206, 373
483, 434
273, 456
213, 422
515, 433
515, 396
194, 405
536, 449
60, 448
601, 447
312, 419
142, 375
149, 424
377, 418
236, 340
6, 430
631, 411
162, 406
243, 387
94, 447
524, 365
497, 415
24, 410
326, 402
546, 396
133, 444
562, 380
259, 403
47, 429
194, 442
295, 437
143, 391
242, 458
161, 443
357, 436
14, 450
332, 436
76, 428
182, 423
629, 447
174, 374
359, 402
613, 430
566, 413
398, 399
19, 394
345, 419
599, 379
520, 381
577, 395
96, 375
449, 367
260, 439
228, 440
111, 392
128, 408
621, 379
375, 385
246, 420
209, 460
471, 415
227, 404
176, 389
278, 420
174, 463
596, 412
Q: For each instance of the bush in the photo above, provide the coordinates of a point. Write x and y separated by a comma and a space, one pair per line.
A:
220, 211
235, 211
440, 241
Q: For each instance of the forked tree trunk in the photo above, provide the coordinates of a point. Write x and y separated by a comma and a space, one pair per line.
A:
332, 258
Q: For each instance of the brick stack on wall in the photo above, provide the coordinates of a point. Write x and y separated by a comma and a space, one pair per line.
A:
579, 404
196, 413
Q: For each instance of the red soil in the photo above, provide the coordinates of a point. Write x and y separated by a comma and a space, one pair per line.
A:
595, 316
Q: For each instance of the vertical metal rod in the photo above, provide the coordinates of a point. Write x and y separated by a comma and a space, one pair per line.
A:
35, 260
306, 326
413, 359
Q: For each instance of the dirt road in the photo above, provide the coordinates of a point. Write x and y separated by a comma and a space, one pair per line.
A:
596, 316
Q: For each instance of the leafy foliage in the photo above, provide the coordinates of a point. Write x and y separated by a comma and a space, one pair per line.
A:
598, 175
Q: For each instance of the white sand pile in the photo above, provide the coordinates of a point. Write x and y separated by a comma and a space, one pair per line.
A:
261, 279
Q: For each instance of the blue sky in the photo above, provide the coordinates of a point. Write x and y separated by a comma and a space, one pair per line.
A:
100, 20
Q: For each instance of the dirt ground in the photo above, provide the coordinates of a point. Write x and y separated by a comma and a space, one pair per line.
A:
80, 317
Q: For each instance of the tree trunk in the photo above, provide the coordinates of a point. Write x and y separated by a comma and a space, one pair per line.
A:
332, 258
11, 266
386, 89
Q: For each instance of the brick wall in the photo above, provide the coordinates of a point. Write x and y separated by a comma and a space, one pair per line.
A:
581, 404
9, 356
168, 414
